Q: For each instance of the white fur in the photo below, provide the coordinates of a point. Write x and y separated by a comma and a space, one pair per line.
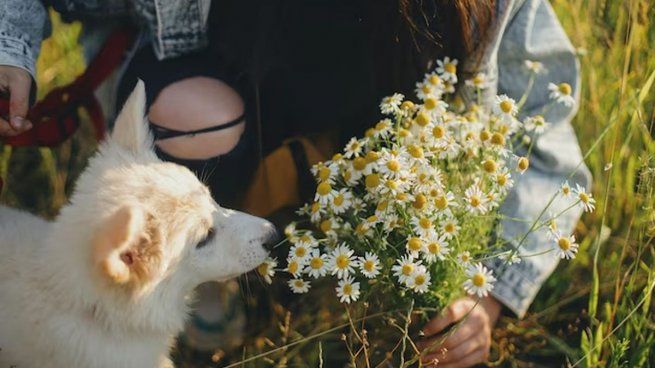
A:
60, 308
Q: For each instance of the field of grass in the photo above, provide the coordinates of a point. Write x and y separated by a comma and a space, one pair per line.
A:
595, 311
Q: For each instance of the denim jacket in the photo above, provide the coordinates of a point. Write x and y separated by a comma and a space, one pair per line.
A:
523, 29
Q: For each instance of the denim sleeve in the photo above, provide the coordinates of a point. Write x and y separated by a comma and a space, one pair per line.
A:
22, 27
534, 33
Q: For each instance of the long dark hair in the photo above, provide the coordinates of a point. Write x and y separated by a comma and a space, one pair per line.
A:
426, 30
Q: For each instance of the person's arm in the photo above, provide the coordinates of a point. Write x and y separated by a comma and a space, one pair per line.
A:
535, 34
22, 27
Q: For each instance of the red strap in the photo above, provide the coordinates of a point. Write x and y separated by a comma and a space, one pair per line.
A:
55, 116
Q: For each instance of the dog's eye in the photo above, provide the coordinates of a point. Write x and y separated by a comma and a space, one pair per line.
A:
210, 236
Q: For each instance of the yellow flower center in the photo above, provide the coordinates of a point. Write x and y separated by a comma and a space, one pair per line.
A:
485, 135
337, 157
382, 206
301, 252
369, 265
434, 80
450, 68
415, 151
262, 269
324, 189
425, 223
293, 267
465, 258
381, 125
438, 131
498, 139
566, 190
338, 200
392, 184
449, 227
501, 179
441, 202
422, 119
407, 269
407, 105
564, 88
478, 279
347, 289
372, 219
583, 197
342, 261
420, 201
506, 106
564, 243
523, 163
316, 263
426, 89
299, 283
326, 226
347, 175
403, 133
414, 244
315, 207
360, 229
359, 163
490, 166
419, 280
401, 197
478, 80
324, 173
372, 156
475, 200
434, 248
430, 103
372, 181
370, 132
393, 165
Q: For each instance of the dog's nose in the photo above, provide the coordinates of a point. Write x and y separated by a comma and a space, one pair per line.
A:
271, 239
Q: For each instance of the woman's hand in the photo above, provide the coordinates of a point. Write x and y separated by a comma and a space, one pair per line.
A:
17, 83
469, 343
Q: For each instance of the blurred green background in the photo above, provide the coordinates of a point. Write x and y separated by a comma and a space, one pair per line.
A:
594, 311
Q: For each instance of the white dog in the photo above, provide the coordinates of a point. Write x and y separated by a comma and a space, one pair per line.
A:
107, 284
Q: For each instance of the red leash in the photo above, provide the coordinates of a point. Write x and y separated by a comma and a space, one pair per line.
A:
55, 117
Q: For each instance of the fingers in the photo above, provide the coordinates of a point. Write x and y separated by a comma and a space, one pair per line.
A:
465, 340
19, 95
16, 83
456, 311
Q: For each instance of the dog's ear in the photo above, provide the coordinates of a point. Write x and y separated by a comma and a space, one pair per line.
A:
127, 245
131, 128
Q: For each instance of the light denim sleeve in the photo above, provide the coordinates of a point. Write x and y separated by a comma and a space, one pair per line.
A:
23, 24
534, 33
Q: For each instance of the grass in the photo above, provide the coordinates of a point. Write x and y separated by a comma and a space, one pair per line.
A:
595, 311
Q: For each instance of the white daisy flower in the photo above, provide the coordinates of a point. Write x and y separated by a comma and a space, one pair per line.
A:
588, 203
290, 231
425, 89
317, 264
354, 147
300, 252
267, 269
405, 267
295, 266
370, 265
536, 124
449, 227
348, 290
505, 107
391, 222
342, 261
535, 67
414, 246
480, 282
316, 211
435, 248
324, 193
447, 69
325, 172
341, 201
503, 180
565, 189
382, 129
479, 81
476, 200
566, 246
423, 226
562, 93
391, 104
419, 281
299, 286
444, 201
464, 258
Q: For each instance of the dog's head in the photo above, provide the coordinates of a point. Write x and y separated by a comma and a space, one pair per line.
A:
153, 222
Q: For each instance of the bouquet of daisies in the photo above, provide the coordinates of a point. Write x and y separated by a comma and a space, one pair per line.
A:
407, 213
